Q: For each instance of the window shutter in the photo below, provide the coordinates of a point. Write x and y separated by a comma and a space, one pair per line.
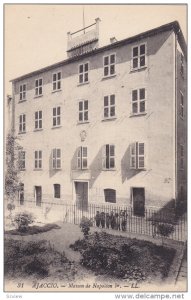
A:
54, 158
79, 157
84, 158
141, 155
133, 156
104, 157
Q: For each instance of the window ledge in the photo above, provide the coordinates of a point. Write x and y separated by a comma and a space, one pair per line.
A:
54, 91
113, 169
109, 76
57, 169
138, 169
38, 129
109, 119
83, 122
22, 170
38, 96
83, 83
24, 100
58, 126
37, 169
138, 69
22, 132
138, 114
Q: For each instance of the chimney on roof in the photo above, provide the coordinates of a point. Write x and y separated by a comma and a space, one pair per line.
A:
83, 40
113, 40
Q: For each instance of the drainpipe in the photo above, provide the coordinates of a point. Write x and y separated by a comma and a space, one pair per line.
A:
176, 116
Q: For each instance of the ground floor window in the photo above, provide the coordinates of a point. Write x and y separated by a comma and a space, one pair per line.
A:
57, 190
21, 193
110, 195
38, 195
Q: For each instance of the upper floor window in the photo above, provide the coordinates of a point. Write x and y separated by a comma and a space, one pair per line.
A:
108, 157
139, 56
38, 119
56, 81
57, 189
83, 72
56, 116
22, 160
181, 104
137, 156
38, 159
138, 101
82, 158
22, 92
22, 123
109, 65
83, 110
109, 106
182, 157
56, 158
38, 87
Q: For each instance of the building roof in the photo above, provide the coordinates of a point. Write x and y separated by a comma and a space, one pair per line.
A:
170, 26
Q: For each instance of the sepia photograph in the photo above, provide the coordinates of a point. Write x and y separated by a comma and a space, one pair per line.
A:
95, 148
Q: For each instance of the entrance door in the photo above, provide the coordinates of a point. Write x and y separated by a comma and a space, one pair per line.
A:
38, 195
81, 189
138, 201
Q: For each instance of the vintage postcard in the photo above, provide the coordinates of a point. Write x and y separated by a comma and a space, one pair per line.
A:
95, 131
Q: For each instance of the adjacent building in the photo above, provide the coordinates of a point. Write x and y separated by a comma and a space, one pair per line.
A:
106, 125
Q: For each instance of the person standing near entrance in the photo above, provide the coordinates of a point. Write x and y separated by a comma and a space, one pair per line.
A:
98, 219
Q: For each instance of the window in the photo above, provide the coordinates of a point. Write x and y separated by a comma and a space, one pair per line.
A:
83, 110
182, 157
38, 87
22, 123
56, 159
182, 65
108, 157
22, 160
22, 92
138, 101
38, 119
139, 56
109, 65
56, 81
137, 156
83, 72
82, 158
38, 159
21, 193
110, 195
109, 106
56, 116
57, 190
181, 104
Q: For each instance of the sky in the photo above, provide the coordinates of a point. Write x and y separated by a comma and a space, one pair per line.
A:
36, 35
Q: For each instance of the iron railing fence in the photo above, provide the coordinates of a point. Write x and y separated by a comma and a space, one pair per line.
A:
113, 217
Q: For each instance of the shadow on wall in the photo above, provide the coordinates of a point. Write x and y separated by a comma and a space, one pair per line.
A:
126, 171
52, 171
169, 213
96, 167
74, 161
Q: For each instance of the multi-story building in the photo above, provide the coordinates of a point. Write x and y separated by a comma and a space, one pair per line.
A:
108, 124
